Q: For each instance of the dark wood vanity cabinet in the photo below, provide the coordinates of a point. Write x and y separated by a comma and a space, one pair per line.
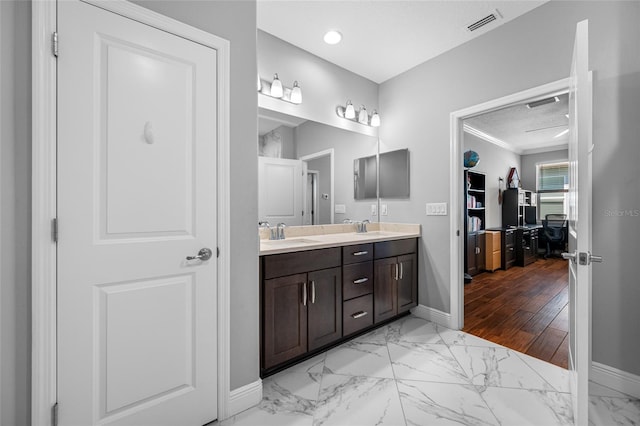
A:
395, 287
301, 310
316, 298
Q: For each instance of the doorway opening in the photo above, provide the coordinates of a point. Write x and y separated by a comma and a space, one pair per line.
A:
509, 290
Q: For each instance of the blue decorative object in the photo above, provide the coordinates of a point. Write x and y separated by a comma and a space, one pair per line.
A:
471, 159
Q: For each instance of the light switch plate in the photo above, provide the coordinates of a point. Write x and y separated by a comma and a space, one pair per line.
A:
340, 208
384, 210
436, 209
374, 209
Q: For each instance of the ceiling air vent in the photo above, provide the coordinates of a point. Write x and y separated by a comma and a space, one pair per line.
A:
482, 22
543, 102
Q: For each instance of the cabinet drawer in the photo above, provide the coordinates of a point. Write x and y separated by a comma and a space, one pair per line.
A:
357, 314
357, 253
493, 241
280, 265
509, 237
357, 280
394, 248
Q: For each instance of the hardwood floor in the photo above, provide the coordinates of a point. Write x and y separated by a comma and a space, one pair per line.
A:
525, 309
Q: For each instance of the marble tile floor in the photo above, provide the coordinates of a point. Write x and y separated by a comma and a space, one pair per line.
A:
414, 372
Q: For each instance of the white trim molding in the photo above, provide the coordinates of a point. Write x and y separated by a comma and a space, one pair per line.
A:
433, 315
245, 397
615, 379
456, 126
44, 78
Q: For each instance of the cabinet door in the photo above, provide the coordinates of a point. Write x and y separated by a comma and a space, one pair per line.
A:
480, 258
285, 319
472, 263
324, 307
407, 282
385, 289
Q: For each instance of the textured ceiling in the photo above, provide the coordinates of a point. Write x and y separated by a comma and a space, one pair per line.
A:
525, 130
382, 39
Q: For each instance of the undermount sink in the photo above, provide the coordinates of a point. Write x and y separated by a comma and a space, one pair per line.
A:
289, 242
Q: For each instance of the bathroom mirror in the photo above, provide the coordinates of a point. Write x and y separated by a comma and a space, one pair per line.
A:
305, 171
393, 180
365, 178
394, 174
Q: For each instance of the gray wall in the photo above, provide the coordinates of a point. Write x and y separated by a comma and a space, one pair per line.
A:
494, 162
312, 137
236, 22
531, 50
529, 162
15, 231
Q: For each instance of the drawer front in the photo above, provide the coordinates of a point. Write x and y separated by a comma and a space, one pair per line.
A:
394, 248
493, 241
494, 261
280, 265
509, 237
357, 253
357, 280
357, 314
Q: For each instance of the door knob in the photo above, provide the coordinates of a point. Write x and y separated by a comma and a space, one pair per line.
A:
570, 256
582, 258
203, 254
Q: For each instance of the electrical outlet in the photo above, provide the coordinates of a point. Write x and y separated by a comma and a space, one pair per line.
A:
374, 209
383, 210
436, 209
340, 208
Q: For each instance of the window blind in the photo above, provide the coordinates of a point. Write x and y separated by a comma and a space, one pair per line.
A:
553, 177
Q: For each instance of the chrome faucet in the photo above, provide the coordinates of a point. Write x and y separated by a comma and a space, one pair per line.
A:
272, 231
280, 231
347, 220
361, 227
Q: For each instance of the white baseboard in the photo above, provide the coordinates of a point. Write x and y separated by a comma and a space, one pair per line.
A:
433, 315
245, 397
615, 379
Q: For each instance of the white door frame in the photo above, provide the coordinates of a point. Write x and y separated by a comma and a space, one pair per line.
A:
456, 220
331, 153
43, 268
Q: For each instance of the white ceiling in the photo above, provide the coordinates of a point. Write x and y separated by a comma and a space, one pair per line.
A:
524, 130
382, 39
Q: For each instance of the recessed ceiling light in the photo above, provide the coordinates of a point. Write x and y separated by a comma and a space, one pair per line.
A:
332, 37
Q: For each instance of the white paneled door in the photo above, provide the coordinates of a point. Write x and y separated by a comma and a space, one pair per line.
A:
281, 183
580, 207
136, 197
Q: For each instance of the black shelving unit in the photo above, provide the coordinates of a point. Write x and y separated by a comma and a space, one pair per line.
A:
475, 221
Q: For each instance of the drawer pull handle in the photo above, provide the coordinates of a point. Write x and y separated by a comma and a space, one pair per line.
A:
361, 280
360, 253
359, 314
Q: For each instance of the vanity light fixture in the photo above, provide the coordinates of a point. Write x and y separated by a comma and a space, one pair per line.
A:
275, 89
296, 93
375, 119
349, 112
363, 117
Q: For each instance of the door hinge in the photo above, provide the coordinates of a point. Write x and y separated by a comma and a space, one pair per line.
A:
54, 415
54, 44
54, 229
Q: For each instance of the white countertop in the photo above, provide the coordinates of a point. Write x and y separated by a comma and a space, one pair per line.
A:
326, 236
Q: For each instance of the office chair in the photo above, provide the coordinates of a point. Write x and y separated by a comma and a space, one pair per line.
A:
554, 228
